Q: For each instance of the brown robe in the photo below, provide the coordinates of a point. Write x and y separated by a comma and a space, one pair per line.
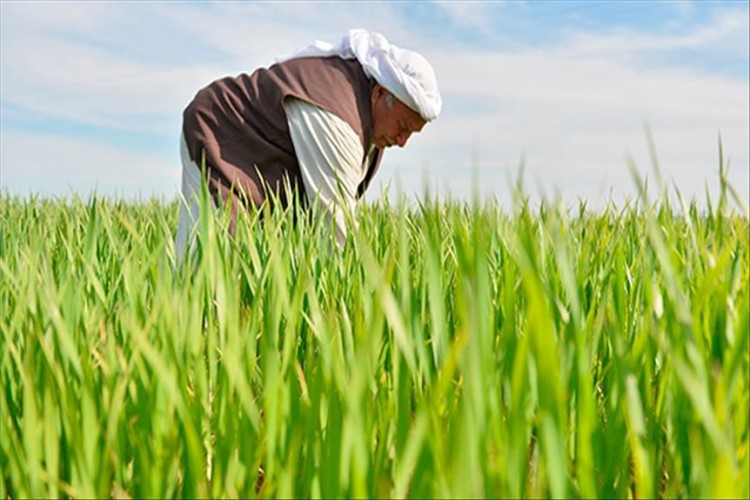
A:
238, 129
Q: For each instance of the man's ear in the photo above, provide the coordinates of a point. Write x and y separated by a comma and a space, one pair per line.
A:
377, 91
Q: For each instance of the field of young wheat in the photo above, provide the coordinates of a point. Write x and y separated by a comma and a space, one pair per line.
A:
451, 349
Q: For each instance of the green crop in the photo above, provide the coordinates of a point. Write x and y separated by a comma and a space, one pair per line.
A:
449, 349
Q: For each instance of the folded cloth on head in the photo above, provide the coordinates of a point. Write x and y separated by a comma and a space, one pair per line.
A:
404, 73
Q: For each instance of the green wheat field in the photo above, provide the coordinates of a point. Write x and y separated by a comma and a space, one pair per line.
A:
450, 349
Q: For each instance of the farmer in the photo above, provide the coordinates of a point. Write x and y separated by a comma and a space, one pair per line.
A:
314, 125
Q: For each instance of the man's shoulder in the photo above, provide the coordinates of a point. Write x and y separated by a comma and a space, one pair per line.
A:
317, 64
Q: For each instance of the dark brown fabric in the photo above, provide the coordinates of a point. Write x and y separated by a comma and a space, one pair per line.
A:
237, 127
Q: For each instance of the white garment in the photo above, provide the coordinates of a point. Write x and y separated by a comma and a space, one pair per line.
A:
331, 160
187, 224
405, 73
330, 156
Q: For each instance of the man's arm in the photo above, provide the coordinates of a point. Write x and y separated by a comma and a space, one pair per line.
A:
330, 156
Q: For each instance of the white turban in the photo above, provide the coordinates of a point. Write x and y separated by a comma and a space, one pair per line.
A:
404, 73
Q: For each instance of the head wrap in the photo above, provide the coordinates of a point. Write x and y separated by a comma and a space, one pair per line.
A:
404, 73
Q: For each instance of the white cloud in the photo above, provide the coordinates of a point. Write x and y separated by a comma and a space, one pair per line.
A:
263, 31
61, 73
726, 26
479, 16
683, 7
81, 17
59, 165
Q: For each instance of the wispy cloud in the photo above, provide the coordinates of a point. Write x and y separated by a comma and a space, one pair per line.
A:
479, 16
74, 66
62, 165
726, 30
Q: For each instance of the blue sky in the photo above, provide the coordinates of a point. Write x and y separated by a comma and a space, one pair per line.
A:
91, 93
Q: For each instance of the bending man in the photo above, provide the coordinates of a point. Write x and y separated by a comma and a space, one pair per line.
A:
316, 122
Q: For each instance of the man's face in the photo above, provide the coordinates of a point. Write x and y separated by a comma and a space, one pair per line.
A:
394, 124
